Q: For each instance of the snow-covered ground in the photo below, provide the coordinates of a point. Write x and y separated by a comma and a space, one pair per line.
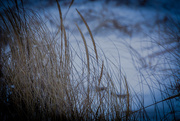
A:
116, 29
113, 25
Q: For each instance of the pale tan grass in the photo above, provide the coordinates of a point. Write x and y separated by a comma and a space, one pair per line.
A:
92, 38
48, 84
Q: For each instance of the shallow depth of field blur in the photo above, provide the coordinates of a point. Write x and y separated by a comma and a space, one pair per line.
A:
90, 60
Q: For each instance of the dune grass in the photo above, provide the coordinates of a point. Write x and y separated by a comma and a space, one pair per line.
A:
40, 79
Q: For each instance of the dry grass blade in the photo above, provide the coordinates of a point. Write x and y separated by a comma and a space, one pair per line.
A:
68, 9
61, 27
66, 49
88, 66
60, 13
92, 38
169, 98
87, 52
71, 4
99, 80
128, 103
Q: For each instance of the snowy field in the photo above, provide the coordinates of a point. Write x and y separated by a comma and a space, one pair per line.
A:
115, 29
119, 31
127, 34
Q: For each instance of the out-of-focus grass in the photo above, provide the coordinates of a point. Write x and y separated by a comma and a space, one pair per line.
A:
159, 72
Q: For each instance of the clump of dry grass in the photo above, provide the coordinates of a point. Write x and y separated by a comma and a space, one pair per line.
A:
42, 81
